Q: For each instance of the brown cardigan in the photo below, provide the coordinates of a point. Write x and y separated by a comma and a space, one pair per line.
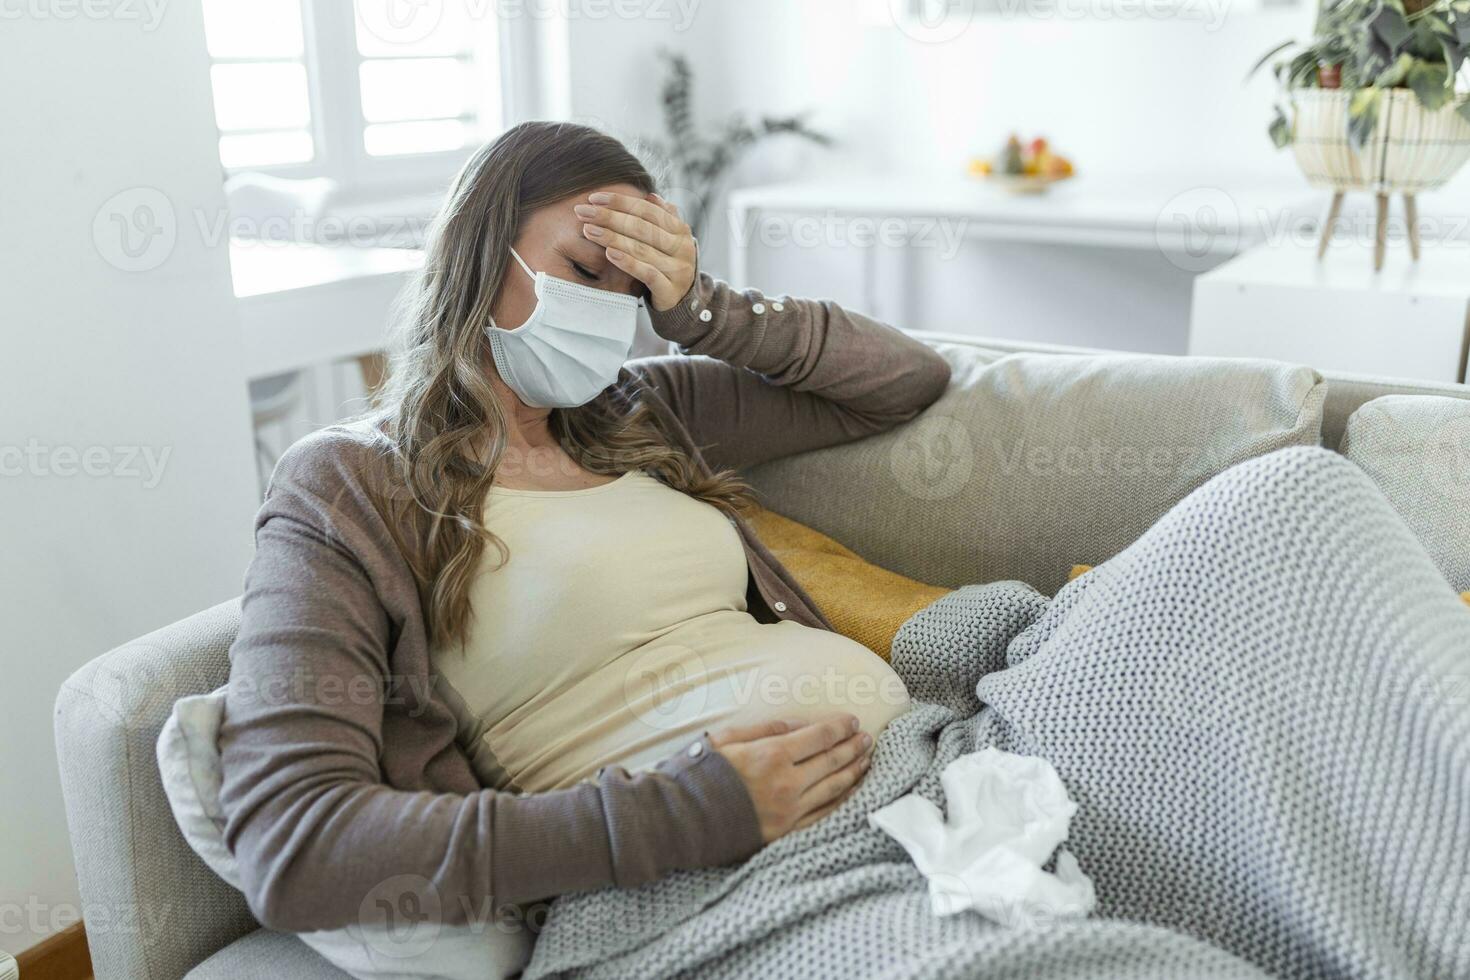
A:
345, 789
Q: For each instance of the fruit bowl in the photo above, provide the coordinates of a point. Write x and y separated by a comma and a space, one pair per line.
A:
1029, 170
1023, 183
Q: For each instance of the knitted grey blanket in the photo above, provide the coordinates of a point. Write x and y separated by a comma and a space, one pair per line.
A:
1262, 710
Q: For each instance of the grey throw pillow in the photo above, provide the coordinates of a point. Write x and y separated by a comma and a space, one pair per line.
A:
1031, 463
1417, 449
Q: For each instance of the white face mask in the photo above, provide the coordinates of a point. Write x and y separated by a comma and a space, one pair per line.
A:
571, 346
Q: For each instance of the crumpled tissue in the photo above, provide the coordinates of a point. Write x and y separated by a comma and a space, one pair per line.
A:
1007, 815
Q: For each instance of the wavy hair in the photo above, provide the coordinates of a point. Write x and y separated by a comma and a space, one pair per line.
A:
438, 410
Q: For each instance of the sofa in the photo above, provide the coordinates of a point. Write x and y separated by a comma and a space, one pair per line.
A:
1036, 459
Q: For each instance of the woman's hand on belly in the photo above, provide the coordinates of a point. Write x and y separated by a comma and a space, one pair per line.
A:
795, 773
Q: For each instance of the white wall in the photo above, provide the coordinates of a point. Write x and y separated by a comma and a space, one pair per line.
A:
616, 73
108, 364
1125, 96
1164, 95
1144, 95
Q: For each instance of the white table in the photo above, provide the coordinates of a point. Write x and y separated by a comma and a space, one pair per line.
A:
307, 304
1278, 301
1194, 223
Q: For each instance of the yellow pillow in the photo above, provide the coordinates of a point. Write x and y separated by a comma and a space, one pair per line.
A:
861, 601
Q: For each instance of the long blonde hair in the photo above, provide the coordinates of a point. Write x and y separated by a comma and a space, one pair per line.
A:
446, 426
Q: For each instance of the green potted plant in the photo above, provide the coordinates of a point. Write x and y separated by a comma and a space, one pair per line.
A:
1374, 101
699, 162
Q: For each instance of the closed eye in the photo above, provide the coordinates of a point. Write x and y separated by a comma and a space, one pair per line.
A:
584, 272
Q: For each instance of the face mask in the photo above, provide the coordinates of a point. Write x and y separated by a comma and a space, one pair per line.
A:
570, 348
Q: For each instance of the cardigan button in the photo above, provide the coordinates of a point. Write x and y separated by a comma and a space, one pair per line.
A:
779, 607
758, 309
778, 307
696, 750
705, 316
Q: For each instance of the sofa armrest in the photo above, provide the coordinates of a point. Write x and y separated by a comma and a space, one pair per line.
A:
153, 910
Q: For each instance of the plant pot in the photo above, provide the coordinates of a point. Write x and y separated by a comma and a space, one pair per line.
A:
1411, 149
1329, 76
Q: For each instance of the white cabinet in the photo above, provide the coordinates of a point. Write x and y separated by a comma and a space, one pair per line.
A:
1278, 301
1099, 261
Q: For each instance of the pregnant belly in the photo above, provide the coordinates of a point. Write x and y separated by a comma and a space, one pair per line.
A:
722, 669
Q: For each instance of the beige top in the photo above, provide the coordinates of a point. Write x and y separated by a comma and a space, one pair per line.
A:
317, 776
617, 631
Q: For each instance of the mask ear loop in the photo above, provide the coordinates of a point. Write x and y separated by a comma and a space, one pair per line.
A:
528, 272
523, 263
523, 266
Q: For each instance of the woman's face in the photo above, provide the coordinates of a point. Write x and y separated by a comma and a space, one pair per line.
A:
551, 241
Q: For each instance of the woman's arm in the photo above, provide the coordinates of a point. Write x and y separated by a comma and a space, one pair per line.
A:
320, 840
785, 376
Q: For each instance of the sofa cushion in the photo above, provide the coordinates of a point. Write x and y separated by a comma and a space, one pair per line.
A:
1417, 449
1031, 463
266, 954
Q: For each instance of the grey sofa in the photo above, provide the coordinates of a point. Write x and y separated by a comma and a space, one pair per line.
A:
170, 917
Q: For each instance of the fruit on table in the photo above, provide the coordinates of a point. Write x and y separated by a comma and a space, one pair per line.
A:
1011, 160
1036, 159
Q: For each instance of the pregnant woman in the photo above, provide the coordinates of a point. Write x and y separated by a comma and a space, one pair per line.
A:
509, 637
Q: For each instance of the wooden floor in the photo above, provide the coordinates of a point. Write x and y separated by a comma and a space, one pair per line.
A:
63, 956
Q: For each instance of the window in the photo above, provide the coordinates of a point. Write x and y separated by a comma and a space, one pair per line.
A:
366, 92
262, 103
423, 94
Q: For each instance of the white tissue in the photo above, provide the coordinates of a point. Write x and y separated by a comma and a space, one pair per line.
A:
1007, 815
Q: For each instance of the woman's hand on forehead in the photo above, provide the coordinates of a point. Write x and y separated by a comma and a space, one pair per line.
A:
647, 239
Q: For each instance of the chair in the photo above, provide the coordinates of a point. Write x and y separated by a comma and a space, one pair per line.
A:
163, 914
